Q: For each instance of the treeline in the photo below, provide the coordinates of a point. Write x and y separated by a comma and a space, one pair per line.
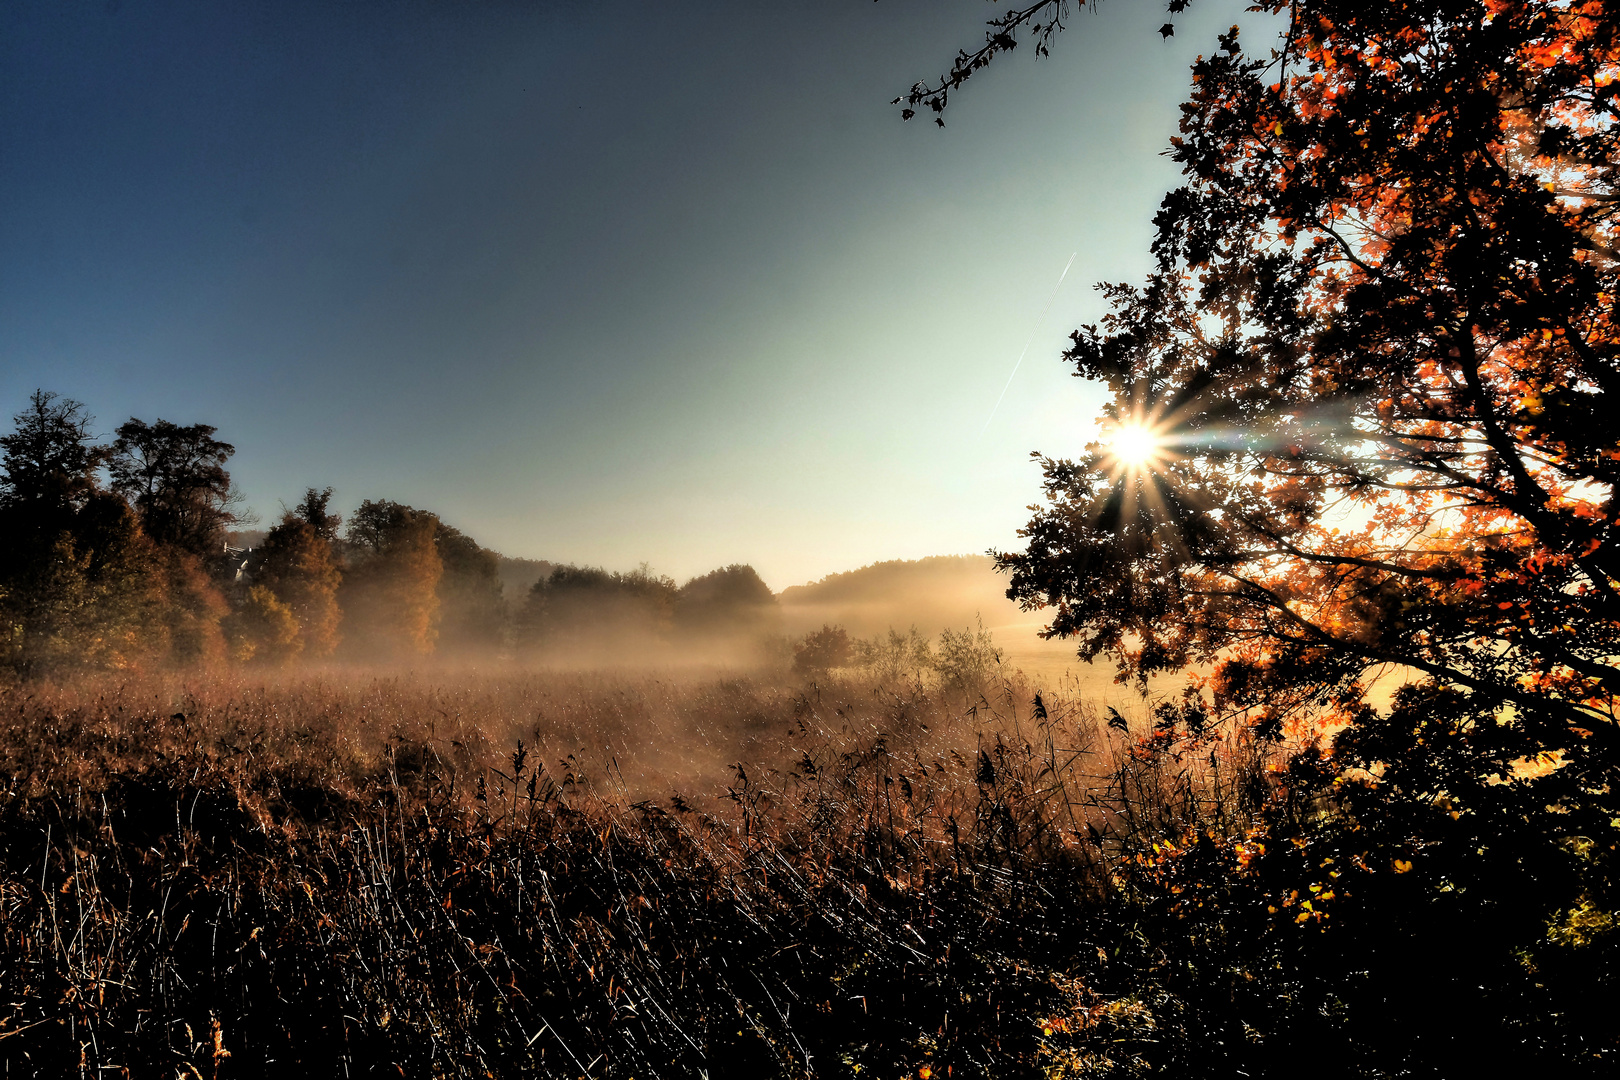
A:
117, 556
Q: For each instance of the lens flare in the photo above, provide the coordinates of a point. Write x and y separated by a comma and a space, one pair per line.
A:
1134, 445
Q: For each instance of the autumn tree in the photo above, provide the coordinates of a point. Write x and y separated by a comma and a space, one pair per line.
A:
263, 630
296, 565
390, 590
1364, 386
1357, 428
78, 584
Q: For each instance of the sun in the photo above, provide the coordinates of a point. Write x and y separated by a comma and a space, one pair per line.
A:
1134, 445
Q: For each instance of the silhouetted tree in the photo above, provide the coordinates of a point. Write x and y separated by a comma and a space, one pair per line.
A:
473, 613
374, 525
50, 462
730, 607
312, 508
175, 477
822, 650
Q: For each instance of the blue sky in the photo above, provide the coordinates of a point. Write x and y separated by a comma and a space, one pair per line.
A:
606, 283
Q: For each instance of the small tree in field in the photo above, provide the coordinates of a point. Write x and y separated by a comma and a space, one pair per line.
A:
896, 656
966, 658
822, 650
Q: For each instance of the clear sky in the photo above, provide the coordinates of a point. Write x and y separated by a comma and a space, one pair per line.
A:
595, 282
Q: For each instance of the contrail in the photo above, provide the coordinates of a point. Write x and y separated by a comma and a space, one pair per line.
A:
1027, 341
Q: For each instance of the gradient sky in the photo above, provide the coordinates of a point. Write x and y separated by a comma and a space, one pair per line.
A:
596, 282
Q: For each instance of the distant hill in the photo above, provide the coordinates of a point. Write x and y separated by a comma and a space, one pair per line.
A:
947, 590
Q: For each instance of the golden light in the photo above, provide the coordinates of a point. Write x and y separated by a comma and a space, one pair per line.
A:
1134, 445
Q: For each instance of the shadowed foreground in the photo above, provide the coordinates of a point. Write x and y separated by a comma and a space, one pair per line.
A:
314, 880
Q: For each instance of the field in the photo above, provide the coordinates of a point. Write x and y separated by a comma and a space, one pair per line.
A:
548, 874
651, 874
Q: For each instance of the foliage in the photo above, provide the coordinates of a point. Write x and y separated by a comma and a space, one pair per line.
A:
175, 477
473, 612
588, 613
262, 629
312, 508
966, 659
129, 574
50, 462
895, 657
1374, 351
731, 602
375, 524
730, 615
390, 592
88, 599
819, 651
186, 610
80, 585
1364, 385
417, 583
296, 565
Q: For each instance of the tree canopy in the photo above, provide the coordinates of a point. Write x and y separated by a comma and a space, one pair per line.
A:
1356, 480
175, 477
1366, 378
50, 458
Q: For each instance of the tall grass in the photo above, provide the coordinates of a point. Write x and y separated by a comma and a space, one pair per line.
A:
555, 875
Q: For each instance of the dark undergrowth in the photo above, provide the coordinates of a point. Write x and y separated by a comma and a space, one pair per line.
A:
900, 885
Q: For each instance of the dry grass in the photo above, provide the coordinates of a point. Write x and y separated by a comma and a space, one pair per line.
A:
550, 874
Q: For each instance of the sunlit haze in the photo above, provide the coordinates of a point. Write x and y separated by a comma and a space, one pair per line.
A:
604, 284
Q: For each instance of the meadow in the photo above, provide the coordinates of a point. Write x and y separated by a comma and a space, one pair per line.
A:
574, 874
